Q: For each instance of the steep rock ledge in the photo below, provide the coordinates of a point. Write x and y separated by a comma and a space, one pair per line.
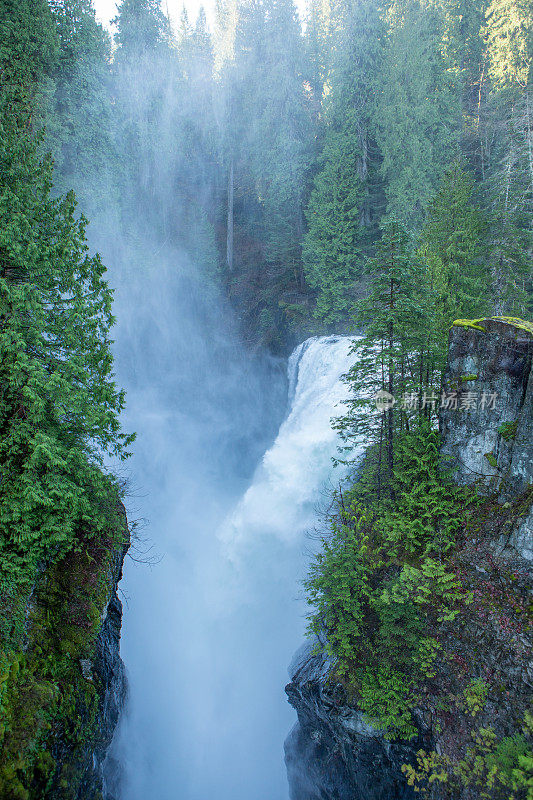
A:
109, 675
65, 685
486, 427
332, 752
487, 424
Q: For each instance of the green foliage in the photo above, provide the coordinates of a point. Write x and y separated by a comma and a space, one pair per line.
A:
60, 405
507, 430
453, 246
428, 585
332, 246
491, 458
509, 38
142, 27
427, 510
417, 116
339, 585
393, 315
385, 701
59, 416
489, 768
380, 581
475, 696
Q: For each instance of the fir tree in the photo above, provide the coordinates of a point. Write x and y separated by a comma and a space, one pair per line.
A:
333, 243
393, 316
453, 248
417, 115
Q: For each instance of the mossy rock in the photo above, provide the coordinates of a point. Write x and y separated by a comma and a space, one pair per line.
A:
469, 323
49, 711
516, 322
478, 324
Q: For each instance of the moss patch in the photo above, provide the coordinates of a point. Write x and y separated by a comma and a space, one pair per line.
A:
516, 322
469, 323
507, 430
48, 709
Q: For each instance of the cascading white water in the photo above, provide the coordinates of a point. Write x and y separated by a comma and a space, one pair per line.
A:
209, 631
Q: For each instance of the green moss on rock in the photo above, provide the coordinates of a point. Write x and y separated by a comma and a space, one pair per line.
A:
48, 708
516, 322
477, 324
469, 323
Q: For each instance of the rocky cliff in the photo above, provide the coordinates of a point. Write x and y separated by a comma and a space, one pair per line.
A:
474, 702
64, 686
332, 753
487, 418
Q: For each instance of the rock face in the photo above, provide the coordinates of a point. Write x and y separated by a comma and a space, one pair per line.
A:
331, 753
110, 676
85, 761
486, 423
486, 419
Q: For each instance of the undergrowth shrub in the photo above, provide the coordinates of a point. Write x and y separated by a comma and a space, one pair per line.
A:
380, 582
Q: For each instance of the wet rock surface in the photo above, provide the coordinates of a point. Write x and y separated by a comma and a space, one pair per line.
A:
486, 420
109, 675
332, 753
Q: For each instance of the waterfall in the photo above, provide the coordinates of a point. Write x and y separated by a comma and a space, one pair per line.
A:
210, 628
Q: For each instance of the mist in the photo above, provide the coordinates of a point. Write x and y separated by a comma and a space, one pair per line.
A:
233, 456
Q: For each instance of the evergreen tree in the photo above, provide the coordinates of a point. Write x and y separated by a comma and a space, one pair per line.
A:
226, 16
333, 243
509, 179
80, 125
345, 205
60, 406
393, 316
142, 27
463, 48
509, 38
417, 114
318, 45
267, 144
453, 247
